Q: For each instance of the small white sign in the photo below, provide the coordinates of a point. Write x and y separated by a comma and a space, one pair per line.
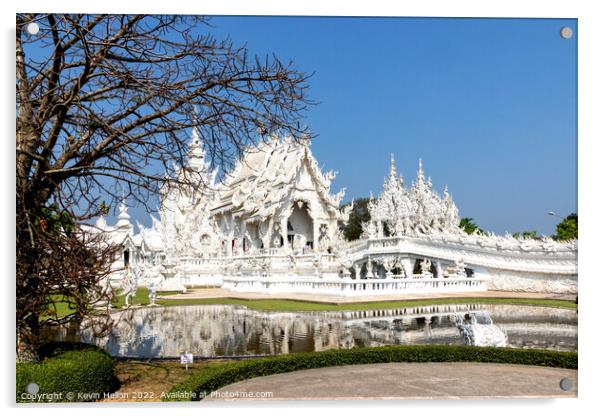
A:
186, 358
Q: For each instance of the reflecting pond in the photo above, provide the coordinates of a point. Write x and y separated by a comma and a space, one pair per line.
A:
229, 330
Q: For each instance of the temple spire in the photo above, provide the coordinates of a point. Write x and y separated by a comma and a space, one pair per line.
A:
196, 153
393, 168
123, 208
420, 175
195, 144
123, 221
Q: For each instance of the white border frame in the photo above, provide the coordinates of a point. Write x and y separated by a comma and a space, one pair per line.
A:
589, 35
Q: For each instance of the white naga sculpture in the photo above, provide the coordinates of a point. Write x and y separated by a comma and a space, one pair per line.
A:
272, 225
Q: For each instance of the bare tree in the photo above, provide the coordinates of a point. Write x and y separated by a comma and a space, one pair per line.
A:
67, 281
105, 104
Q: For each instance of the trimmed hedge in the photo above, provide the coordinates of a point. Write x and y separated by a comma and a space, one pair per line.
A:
68, 372
203, 383
54, 348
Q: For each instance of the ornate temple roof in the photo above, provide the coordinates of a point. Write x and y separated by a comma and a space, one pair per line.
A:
417, 210
263, 178
150, 237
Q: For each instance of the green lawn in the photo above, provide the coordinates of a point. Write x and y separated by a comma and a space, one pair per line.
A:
141, 297
301, 306
58, 308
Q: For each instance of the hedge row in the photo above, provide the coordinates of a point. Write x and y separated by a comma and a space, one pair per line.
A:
54, 348
203, 383
68, 372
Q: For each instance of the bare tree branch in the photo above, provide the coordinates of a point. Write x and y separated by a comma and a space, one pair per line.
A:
105, 104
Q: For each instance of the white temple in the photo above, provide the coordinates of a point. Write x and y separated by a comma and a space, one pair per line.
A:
273, 226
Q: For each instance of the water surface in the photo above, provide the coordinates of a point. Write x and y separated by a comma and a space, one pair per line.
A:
230, 330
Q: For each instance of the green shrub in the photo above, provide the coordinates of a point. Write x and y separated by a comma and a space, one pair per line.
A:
54, 348
68, 372
203, 383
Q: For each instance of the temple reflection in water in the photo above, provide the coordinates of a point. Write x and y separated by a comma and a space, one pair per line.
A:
228, 330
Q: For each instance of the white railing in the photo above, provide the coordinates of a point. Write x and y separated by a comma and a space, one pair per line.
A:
324, 258
473, 251
563, 261
350, 287
278, 270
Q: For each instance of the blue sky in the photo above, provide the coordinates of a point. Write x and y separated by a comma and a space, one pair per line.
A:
488, 104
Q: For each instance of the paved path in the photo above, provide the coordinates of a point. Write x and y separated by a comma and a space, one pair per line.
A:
410, 381
212, 293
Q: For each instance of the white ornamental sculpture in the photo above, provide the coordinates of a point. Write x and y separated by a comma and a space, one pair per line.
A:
186, 226
129, 285
426, 268
389, 263
416, 211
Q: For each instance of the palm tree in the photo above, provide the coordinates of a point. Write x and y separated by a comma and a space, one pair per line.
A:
469, 226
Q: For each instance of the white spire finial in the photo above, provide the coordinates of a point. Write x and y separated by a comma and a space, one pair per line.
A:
195, 136
123, 208
195, 144
196, 153
123, 221
392, 169
420, 175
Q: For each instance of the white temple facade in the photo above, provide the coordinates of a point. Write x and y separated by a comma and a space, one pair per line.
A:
277, 198
272, 225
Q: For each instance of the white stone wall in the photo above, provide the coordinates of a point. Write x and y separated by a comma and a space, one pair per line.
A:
514, 281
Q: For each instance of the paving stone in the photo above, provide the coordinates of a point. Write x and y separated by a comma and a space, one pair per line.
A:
409, 381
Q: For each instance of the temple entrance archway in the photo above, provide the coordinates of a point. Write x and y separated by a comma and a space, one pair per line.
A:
300, 226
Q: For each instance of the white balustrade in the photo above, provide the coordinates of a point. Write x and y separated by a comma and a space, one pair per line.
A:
350, 287
278, 270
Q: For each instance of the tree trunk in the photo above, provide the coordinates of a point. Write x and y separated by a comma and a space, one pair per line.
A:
27, 323
27, 335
